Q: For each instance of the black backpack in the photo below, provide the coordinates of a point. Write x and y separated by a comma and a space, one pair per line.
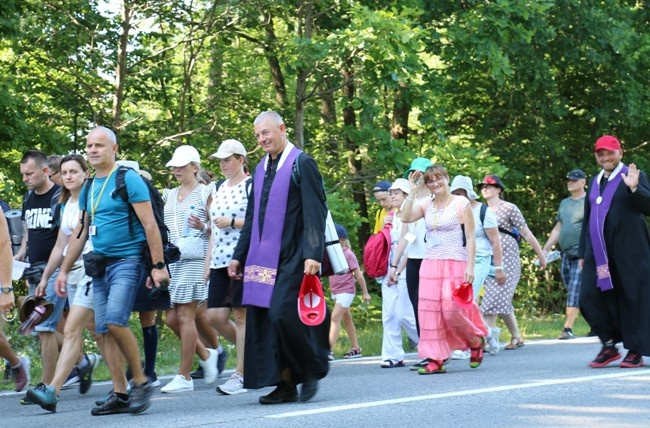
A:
172, 254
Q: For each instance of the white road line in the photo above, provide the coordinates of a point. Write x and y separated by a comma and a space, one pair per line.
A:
458, 394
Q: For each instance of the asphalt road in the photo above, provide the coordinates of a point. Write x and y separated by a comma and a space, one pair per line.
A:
544, 384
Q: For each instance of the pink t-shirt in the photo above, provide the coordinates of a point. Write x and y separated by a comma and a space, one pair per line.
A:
345, 283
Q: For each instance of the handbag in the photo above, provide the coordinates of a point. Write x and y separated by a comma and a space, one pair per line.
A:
191, 247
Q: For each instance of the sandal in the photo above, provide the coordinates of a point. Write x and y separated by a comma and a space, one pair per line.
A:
391, 364
515, 342
353, 353
476, 353
433, 367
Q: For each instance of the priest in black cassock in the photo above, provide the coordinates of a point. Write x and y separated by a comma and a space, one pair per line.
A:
615, 246
282, 240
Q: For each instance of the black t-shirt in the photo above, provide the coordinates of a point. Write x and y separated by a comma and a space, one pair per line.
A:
41, 236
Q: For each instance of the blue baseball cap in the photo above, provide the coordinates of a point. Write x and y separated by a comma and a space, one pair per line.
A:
341, 232
381, 186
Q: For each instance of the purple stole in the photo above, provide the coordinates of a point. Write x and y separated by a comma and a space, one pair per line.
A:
261, 268
599, 208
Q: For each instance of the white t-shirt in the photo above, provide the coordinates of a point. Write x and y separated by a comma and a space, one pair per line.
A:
483, 246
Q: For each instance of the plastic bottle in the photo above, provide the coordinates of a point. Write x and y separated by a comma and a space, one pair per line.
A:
32, 321
551, 256
187, 230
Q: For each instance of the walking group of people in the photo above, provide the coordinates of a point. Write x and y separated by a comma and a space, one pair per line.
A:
443, 239
247, 242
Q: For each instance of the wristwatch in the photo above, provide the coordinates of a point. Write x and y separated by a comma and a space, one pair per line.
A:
159, 265
7, 290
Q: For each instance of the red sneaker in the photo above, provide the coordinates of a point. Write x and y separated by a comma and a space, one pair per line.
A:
607, 355
632, 361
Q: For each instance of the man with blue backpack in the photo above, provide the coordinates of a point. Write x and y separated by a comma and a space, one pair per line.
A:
120, 231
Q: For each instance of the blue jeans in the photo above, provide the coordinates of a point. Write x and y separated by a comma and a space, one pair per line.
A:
51, 323
115, 292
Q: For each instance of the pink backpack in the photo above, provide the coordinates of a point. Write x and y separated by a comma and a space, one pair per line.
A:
376, 252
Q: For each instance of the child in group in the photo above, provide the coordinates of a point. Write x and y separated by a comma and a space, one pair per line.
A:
343, 291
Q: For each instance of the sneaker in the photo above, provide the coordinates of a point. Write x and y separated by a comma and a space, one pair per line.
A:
233, 386
330, 356
566, 334
27, 399
112, 406
353, 353
608, 354
198, 373
107, 397
85, 373
141, 397
72, 380
417, 366
221, 361
178, 384
493, 340
632, 360
44, 396
20, 374
460, 355
210, 370
153, 378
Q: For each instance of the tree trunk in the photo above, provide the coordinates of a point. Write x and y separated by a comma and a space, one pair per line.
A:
401, 109
120, 71
274, 63
354, 164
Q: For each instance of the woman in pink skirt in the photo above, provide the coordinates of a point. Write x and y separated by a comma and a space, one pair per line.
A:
448, 262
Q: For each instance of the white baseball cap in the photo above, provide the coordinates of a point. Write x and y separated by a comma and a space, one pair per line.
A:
184, 155
228, 148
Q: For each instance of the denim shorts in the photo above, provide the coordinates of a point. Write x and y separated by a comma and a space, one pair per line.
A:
114, 293
51, 323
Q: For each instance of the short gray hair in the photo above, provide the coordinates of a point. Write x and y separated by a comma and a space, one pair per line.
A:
270, 114
107, 132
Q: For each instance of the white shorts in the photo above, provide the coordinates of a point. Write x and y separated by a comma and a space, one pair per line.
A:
343, 299
81, 294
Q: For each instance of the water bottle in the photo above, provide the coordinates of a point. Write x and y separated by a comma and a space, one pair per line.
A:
33, 320
551, 256
187, 230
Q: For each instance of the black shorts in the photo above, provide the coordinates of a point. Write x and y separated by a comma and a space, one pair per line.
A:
224, 292
144, 303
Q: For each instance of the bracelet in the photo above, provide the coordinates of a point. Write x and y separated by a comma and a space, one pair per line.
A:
498, 268
393, 266
232, 223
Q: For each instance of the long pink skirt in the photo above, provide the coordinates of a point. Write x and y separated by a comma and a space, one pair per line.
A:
444, 326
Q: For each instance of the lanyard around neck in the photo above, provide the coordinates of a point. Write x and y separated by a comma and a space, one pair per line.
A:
93, 205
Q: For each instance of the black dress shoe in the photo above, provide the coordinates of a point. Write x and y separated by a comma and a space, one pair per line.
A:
283, 393
308, 390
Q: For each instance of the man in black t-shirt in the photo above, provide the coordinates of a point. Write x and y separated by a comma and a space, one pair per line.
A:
38, 241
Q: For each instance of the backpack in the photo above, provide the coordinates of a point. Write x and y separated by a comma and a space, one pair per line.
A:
249, 183
376, 252
515, 234
172, 254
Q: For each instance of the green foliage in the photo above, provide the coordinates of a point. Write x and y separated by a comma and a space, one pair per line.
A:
521, 89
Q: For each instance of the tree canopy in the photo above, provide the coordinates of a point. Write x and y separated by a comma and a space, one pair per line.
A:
517, 88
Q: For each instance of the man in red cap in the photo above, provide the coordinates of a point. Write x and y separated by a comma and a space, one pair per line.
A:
615, 248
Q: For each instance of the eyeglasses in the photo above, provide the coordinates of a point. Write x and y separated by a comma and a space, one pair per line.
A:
435, 179
52, 175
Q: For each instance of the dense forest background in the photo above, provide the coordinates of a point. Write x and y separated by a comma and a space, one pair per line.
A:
513, 87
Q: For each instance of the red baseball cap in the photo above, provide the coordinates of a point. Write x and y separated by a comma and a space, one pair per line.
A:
607, 142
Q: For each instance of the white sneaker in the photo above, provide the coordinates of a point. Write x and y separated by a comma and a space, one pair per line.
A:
210, 372
178, 384
460, 355
233, 386
493, 340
